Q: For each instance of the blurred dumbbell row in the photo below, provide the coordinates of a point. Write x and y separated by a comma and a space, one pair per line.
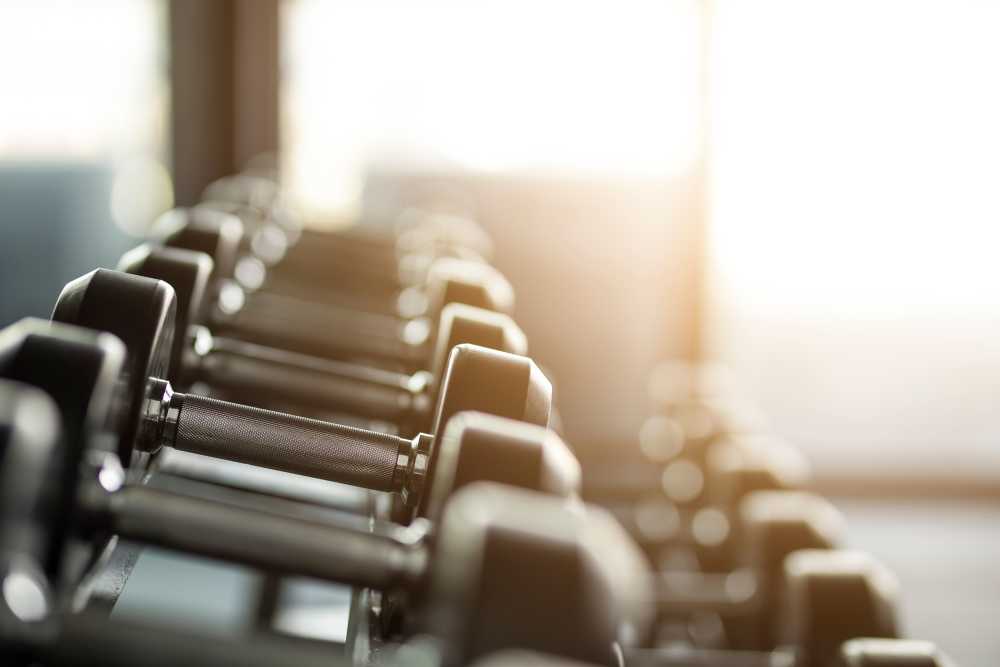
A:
357, 407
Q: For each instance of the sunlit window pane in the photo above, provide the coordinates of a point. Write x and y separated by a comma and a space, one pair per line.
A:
82, 81
83, 139
609, 87
855, 178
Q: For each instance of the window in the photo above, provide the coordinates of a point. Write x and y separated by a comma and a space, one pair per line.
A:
83, 129
855, 166
488, 86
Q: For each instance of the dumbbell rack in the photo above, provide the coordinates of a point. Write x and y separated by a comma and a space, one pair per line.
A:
680, 494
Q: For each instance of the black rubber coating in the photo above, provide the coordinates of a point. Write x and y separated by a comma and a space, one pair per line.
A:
286, 442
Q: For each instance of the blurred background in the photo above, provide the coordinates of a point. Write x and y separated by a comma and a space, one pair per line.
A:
803, 191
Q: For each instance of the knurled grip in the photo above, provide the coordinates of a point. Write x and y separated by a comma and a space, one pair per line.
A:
286, 442
332, 332
241, 376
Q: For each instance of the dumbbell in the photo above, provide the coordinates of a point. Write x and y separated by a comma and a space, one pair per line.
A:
697, 412
695, 429
45, 356
399, 259
724, 554
249, 260
262, 202
735, 469
747, 598
275, 379
343, 333
407, 242
140, 311
401, 335
859, 600
495, 547
768, 526
268, 377
81, 368
833, 597
730, 470
697, 408
690, 506
836, 584
370, 274
685, 432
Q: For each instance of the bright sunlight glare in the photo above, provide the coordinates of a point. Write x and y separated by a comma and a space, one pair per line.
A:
855, 220
856, 154
608, 87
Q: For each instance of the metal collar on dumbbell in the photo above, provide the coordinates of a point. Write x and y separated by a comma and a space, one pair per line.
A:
161, 413
412, 467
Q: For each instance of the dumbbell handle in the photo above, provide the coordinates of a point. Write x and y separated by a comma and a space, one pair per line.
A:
359, 372
240, 367
285, 442
328, 331
311, 547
